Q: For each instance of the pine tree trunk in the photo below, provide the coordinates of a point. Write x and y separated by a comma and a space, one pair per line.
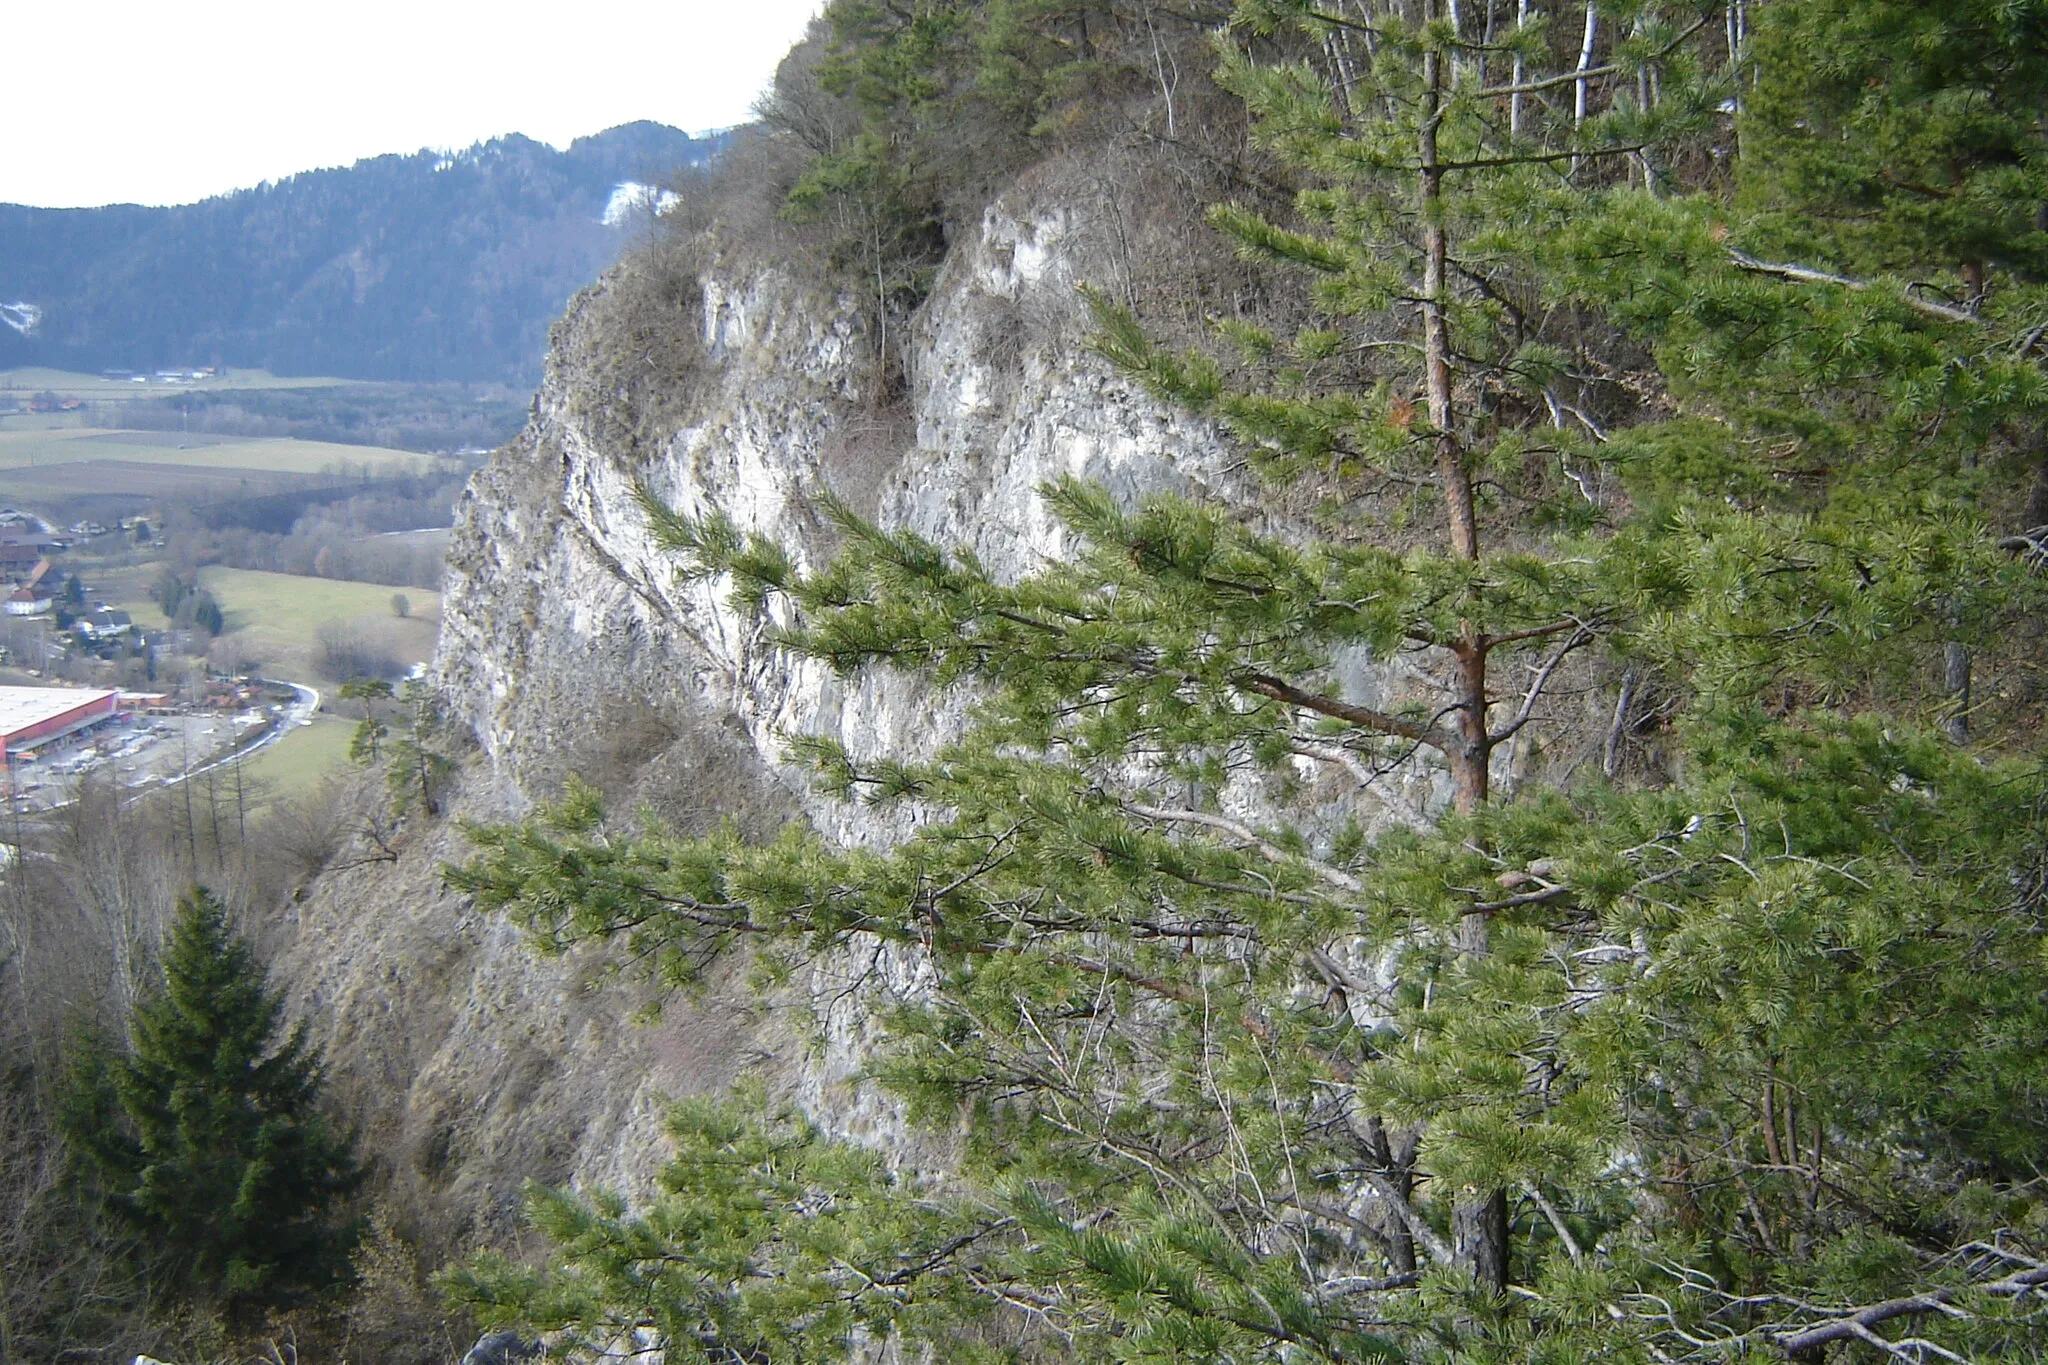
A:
1396, 1157
1479, 1218
1956, 680
1436, 332
1479, 1236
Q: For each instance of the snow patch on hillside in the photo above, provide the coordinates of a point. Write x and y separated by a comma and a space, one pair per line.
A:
22, 317
630, 198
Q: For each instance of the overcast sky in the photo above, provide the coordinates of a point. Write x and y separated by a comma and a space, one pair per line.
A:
115, 101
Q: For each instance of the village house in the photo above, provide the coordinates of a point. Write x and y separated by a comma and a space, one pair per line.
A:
105, 624
20, 564
28, 601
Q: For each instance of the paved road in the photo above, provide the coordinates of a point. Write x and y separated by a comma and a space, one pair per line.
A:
298, 712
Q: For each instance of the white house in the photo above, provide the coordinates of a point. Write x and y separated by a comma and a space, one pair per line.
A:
31, 601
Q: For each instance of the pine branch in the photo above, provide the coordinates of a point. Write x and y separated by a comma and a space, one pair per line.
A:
1581, 636
1279, 689
1418, 1227
1575, 76
1335, 876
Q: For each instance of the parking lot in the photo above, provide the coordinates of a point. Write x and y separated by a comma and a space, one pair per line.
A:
141, 750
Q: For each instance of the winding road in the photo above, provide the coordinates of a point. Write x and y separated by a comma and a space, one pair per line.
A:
298, 712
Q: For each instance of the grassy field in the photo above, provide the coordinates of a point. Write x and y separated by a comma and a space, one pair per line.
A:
304, 757
281, 614
40, 421
284, 612
35, 379
277, 618
24, 450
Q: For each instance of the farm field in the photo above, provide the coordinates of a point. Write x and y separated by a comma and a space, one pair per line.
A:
23, 451
278, 618
303, 758
36, 379
125, 486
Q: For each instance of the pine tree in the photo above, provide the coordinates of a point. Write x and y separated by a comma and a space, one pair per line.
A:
1739, 1060
366, 744
418, 767
206, 1134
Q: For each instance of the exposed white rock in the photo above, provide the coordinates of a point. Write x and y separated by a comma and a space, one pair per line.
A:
558, 609
1002, 399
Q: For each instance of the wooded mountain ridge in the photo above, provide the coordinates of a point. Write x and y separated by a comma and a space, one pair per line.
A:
432, 266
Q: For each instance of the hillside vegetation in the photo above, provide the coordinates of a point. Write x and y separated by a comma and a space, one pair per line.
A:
1665, 385
1542, 859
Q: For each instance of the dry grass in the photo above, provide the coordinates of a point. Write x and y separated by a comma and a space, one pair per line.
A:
299, 762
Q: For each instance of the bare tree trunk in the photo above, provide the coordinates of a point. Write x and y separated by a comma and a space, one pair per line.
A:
1579, 91
1617, 733
185, 788
213, 816
1159, 70
1521, 73
241, 811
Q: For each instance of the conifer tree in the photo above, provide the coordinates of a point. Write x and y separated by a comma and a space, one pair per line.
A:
206, 1135
1745, 1060
366, 744
418, 768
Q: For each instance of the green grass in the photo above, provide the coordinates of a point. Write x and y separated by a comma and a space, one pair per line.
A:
36, 379
303, 758
277, 618
26, 449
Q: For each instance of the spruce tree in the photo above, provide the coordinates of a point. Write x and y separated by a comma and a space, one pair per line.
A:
206, 1135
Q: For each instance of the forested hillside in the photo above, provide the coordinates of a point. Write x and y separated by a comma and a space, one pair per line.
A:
421, 267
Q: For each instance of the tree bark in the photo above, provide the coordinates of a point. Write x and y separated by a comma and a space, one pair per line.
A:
1479, 1235
1479, 1224
1955, 677
1436, 334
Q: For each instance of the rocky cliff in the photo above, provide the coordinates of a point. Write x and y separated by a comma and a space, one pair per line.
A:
569, 646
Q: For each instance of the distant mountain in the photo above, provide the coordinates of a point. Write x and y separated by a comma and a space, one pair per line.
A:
422, 267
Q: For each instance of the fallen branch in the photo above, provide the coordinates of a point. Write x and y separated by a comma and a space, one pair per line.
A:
1858, 1325
1800, 274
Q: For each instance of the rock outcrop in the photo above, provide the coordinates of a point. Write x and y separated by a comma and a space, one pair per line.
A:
568, 645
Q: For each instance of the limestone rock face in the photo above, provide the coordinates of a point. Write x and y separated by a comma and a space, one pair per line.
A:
568, 645
556, 593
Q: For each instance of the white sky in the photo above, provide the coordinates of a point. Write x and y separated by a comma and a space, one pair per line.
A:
116, 101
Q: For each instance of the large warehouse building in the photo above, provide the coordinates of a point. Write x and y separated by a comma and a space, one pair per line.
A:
33, 717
